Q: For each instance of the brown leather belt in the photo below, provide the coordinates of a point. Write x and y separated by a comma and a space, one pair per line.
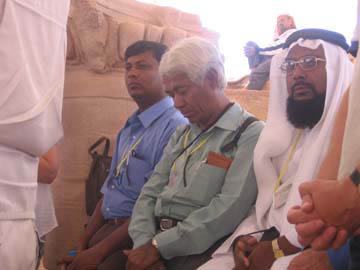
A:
116, 221
165, 223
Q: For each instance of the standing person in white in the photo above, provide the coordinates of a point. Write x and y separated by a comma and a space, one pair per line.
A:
304, 98
45, 218
32, 53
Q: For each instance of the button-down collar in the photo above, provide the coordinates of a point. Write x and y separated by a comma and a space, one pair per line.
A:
226, 121
148, 116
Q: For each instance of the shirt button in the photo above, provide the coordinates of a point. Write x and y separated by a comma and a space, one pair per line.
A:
108, 209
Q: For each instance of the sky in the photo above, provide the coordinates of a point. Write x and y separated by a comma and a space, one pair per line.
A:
240, 21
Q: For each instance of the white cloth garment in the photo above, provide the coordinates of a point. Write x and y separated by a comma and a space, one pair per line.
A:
45, 218
18, 245
278, 41
32, 53
273, 148
32, 57
350, 155
356, 36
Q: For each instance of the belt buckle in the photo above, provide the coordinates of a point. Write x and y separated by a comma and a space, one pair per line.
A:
166, 224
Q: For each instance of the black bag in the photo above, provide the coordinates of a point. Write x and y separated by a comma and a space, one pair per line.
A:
99, 170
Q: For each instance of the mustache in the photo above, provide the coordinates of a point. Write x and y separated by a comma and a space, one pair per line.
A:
303, 83
134, 84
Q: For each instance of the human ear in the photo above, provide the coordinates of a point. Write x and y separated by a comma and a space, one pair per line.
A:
212, 78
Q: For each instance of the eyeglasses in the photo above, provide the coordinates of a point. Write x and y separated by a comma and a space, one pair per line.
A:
306, 63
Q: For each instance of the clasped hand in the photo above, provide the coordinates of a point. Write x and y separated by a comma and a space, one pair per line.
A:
145, 257
252, 255
328, 214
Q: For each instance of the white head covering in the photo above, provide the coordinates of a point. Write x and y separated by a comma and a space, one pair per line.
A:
32, 53
276, 30
278, 133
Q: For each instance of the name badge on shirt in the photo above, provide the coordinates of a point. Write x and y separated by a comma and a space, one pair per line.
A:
280, 197
218, 160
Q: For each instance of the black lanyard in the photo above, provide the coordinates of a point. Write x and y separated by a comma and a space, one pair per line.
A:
197, 137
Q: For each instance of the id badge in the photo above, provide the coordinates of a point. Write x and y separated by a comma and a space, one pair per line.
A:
218, 160
281, 195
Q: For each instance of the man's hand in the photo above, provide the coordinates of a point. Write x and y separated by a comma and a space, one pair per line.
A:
309, 225
326, 202
320, 237
159, 265
67, 259
86, 260
262, 257
337, 202
306, 216
310, 259
249, 50
142, 257
242, 248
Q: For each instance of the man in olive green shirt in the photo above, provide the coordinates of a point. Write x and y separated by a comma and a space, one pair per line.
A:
204, 185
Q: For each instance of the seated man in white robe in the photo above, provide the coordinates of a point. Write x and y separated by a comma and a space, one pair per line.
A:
305, 96
322, 221
32, 56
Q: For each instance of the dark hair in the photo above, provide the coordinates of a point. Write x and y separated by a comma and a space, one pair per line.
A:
142, 46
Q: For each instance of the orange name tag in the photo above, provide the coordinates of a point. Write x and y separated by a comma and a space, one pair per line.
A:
218, 160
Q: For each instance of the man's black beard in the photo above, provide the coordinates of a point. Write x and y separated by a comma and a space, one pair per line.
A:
307, 113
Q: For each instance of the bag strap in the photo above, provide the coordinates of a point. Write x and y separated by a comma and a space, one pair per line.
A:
98, 142
239, 132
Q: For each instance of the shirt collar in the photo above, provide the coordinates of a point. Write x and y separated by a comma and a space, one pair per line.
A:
148, 116
230, 119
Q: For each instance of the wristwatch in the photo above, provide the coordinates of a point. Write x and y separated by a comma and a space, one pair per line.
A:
154, 243
278, 253
355, 178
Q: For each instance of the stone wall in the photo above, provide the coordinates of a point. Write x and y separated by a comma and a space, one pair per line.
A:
100, 31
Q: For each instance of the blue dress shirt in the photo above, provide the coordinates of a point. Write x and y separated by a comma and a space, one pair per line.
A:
152, 129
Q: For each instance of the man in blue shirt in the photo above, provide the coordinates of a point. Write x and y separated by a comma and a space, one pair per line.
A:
139, 147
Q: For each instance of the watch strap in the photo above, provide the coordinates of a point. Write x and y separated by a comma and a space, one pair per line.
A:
355, 177
278, 253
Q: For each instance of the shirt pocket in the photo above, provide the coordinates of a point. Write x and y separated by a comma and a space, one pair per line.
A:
136, 175
206, 183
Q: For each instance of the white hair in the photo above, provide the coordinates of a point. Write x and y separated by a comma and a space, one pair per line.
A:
194, 57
